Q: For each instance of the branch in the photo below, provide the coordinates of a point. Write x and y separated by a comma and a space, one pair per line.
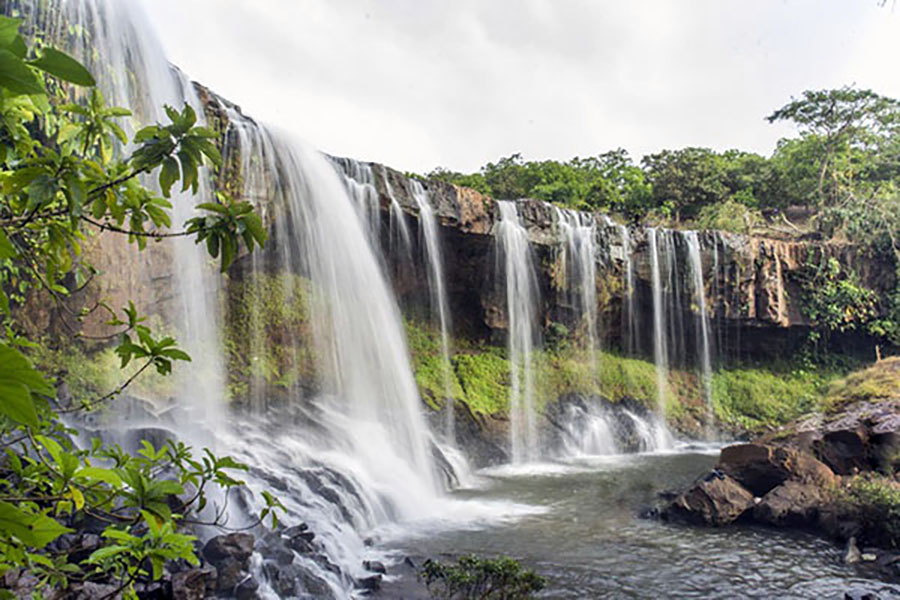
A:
110, 395
150, 234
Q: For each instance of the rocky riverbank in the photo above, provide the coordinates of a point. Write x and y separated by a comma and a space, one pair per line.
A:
833, 473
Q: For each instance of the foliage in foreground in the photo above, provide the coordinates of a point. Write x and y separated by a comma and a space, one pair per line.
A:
64, 177
874, 500
474, 578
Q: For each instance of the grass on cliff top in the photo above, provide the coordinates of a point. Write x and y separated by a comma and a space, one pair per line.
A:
880, 381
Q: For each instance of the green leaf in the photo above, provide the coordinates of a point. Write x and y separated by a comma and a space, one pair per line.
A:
98, 474
17, 380
32, 530
9, 30
7, 250
16, 76
168, 175
65, 67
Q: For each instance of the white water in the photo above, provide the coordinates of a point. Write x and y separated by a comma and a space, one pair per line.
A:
696, 265
401, 241
578, 232
514, 267
629, 309
109, 38
438, 295
660, 354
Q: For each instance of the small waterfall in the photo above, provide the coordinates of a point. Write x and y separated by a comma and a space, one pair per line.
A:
401, 241
588, 432
629, 309
702, 322
360, 183
578, 232
660, 350
514, 267
438, 295
110, 39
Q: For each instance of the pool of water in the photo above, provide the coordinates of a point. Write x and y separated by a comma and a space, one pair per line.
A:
584, 534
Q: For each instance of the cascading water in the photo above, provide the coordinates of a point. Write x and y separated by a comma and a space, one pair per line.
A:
660, 352
438, 295
629, 309
132, 71
514, 267
578, 232
702, 322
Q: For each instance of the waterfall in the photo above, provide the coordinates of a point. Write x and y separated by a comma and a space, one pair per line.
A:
629, 310
578, 264
109, 38
360, 183
514, 267
401, 241
353, 453
438, 295
660, 352
702, 323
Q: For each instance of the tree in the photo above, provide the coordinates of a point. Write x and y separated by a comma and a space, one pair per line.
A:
64, 176
845, 124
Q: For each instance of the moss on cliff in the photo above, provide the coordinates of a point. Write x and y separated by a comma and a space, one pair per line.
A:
880, 381
267, 338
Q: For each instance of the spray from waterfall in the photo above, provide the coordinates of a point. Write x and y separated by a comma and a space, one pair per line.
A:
515, 268
438, 296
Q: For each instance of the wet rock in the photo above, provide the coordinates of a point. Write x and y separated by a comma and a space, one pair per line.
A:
314, 585
193, 584
368, 584
375, 566
246, 589
717, 499
236, 546
851, 552
791, 504
861, 595
282, 578
157, 590
761, 468
844, 450
94, 591
230, 573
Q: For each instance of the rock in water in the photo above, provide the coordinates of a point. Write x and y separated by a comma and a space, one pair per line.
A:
851, 552
716, 500
238, 546
791, 504
761, 468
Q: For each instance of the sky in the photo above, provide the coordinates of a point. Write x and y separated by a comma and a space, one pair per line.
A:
417, 84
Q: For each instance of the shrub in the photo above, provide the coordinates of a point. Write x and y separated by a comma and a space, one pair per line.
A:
481, 578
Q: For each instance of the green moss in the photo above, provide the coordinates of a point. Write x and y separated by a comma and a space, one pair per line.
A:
485, 380
267, 338
620, 378
880, 381
874, 502
90, 375
760, 398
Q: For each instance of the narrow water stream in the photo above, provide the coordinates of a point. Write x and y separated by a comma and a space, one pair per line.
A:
589, 542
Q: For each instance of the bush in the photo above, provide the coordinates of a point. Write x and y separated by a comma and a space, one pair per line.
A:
481, 578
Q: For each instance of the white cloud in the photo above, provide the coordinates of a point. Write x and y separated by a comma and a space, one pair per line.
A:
421, 83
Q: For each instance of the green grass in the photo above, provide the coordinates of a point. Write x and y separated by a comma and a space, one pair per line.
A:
760, 398
880, 381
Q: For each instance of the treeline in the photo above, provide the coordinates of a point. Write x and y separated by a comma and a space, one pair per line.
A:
843, 166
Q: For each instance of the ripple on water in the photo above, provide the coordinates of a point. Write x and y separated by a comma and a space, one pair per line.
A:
582, 533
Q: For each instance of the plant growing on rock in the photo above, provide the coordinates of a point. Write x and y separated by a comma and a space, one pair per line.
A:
481, 578
64, 177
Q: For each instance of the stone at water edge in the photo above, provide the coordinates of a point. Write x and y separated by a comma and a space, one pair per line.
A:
851, 552
375, 566
238, 546
715, 500
761, 468
791, 504
193, 584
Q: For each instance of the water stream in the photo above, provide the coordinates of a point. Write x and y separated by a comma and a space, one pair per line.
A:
515, 269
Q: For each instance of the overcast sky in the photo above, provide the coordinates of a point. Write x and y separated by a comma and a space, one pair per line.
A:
421, 83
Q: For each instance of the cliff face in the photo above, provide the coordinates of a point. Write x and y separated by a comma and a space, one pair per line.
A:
751, 283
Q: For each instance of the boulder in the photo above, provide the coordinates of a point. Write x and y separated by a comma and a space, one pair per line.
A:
246, 589
237, 546
844, 450
230, 573
375, 566
717, 499
791, 504
761, 468
193, 584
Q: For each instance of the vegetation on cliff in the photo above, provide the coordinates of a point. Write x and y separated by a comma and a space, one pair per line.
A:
66, 178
